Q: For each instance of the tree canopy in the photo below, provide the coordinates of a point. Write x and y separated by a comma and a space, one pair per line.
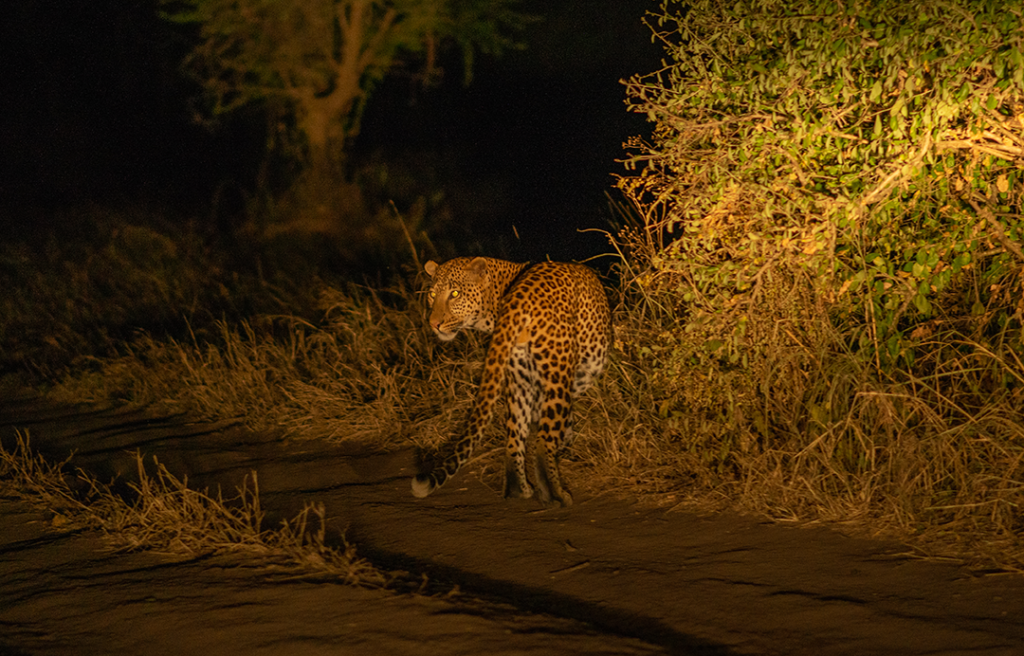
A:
318, 60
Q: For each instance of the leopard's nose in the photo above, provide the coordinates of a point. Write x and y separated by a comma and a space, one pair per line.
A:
435, 324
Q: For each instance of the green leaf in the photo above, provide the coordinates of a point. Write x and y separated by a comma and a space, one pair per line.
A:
876, 92
892, 345
898, 107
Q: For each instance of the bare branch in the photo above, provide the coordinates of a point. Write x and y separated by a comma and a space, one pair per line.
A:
371, 52
996, 229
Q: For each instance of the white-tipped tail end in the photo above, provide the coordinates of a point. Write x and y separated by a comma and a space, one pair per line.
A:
421, 486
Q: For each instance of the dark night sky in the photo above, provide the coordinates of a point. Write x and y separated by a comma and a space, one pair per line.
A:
539, 130
92, 108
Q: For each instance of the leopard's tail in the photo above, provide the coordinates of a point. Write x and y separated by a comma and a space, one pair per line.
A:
492, 387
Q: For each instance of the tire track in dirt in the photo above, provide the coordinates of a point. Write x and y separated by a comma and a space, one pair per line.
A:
65, 593
605, 569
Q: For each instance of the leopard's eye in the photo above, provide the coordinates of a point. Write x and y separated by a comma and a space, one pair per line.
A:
432, 294
454, 294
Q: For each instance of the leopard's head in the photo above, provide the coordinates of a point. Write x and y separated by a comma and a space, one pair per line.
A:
459, 296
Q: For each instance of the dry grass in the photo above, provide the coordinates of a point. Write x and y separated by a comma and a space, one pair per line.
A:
369, 372
166, 516
934, 455
806, 433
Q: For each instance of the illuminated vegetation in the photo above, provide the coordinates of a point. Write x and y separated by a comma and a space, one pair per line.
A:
819, 295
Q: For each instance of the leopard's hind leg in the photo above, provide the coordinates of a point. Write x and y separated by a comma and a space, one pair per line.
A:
554, 419
523, 394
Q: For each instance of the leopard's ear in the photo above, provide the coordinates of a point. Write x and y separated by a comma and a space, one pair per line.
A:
430, 267
476, 270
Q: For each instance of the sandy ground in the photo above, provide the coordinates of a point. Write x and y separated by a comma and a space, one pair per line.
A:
604, 577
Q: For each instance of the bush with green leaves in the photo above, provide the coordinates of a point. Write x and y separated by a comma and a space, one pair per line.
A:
876, 147
829, 215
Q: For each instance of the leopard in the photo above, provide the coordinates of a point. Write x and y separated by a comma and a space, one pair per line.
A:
551, 330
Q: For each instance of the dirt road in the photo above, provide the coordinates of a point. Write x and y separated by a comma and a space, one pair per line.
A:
604, 577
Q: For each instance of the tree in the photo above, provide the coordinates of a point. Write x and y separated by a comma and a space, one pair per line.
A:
319, 59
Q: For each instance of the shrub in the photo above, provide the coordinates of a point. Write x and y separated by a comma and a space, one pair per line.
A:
828, 222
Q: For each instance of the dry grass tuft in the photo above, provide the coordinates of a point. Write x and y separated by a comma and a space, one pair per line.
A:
370, 372
168, 517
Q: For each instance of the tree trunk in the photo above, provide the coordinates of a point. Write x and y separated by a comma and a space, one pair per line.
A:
320, 197
323, 119
327, 118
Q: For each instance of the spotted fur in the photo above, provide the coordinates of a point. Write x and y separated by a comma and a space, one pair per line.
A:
552, 330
